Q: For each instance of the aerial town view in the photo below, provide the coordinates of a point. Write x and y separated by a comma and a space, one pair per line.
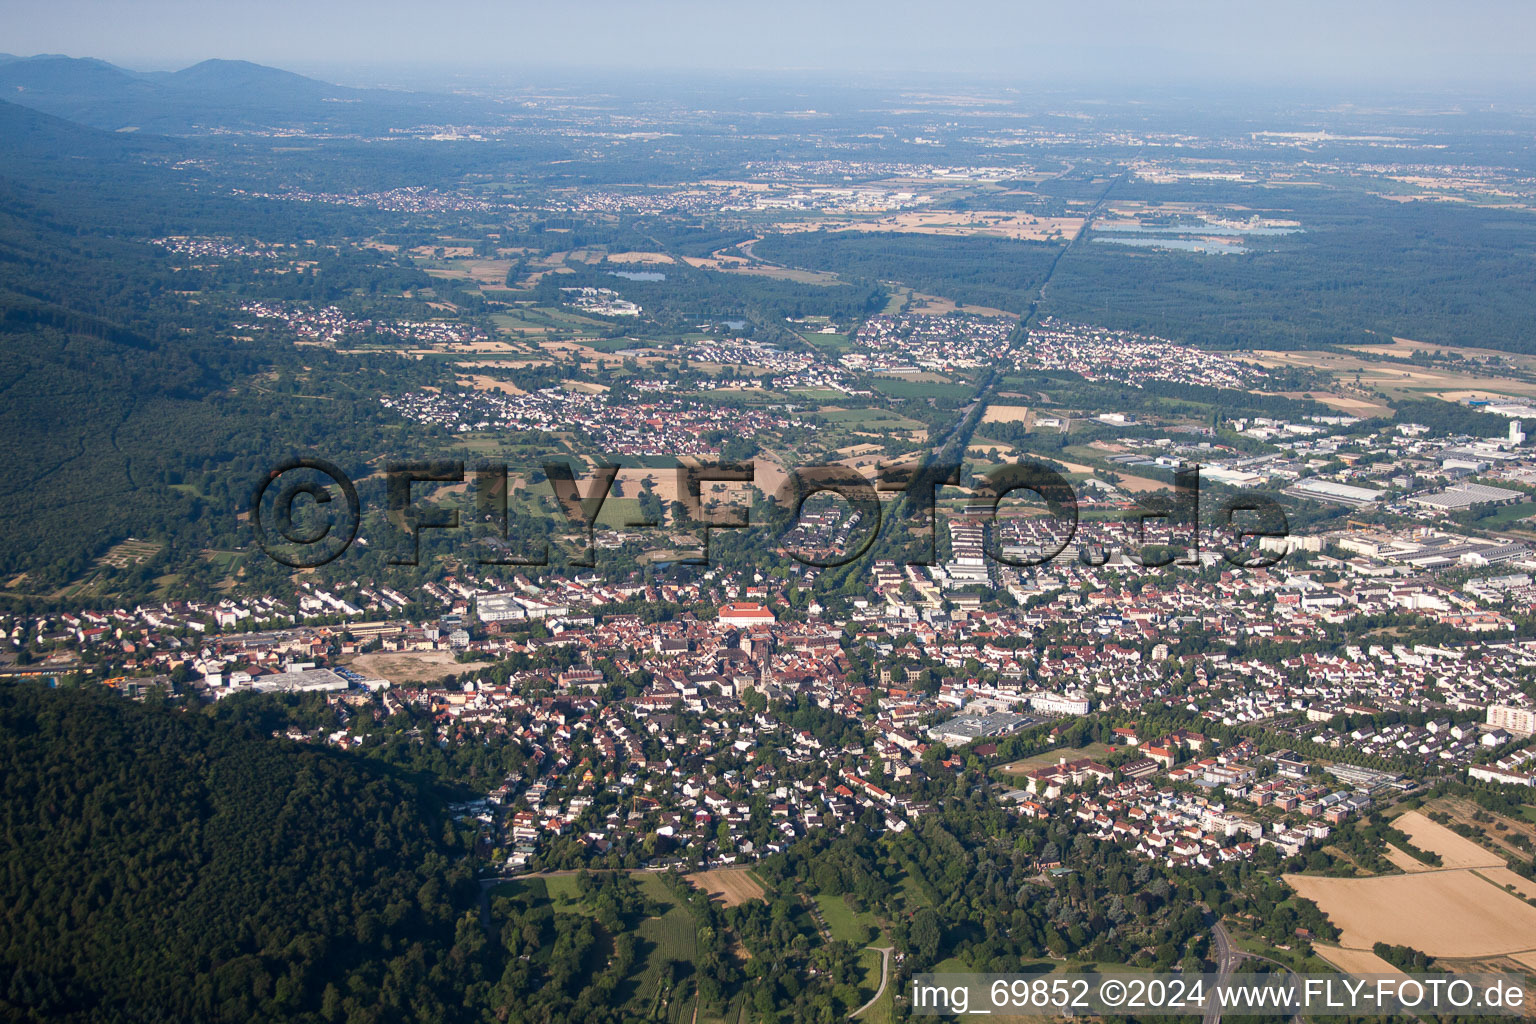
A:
662, 513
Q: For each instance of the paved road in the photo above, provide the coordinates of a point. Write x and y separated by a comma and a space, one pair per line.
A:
885, 976
1227, 957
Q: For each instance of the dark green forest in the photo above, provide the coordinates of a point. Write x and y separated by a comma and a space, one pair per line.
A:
161, 865
1362, 269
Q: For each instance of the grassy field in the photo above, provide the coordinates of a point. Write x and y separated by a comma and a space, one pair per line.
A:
847, 925
924, 389
618, 511
912, 896
869, 980
872, 419
834, 343
1095, 751
884, 1011
667, 937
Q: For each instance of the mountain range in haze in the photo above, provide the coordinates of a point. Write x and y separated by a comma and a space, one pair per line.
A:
222, 94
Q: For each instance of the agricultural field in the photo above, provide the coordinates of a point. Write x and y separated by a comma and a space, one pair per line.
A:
731, 886
1396, 380
1489, 835
1454, 851
1355, 961
1450, 913
1008, 414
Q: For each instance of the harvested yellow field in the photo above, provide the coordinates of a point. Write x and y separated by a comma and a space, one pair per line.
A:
1007, 414
984, 451
468, 346
1133, 484
1355, 961
1405, 860
1351, 404
639, 257
732, 886
1394, 379
924, 304
719, 260
1502, 877
1451, 913
631, 480
769, 473
480, 382
1455, 851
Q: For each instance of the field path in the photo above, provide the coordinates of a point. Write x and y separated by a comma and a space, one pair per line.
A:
885, 976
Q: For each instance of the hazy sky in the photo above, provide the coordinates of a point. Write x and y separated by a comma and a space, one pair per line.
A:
1474, 42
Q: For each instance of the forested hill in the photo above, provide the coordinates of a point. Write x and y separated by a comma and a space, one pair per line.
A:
161, 865
116, 364
227, 93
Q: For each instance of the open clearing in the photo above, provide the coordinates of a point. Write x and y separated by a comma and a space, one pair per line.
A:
129, 552
923, 304
1405, 860
639, 257
1455, 851
1008, 414
1449, 913
1355, 961
963, 223
1040, 760
413, 666
1502, 877
1134, 484
1398, 380
1352, 405
631, 481
732, 886
480, 382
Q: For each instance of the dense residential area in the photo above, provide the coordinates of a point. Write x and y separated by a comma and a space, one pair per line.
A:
487, 545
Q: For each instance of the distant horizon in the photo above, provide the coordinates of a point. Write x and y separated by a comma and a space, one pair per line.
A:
445, 79
1307, 45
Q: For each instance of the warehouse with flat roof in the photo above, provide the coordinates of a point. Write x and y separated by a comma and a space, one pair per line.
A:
1329, 490
1465, 496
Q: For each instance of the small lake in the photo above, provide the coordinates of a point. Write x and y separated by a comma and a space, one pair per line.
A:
638, 275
